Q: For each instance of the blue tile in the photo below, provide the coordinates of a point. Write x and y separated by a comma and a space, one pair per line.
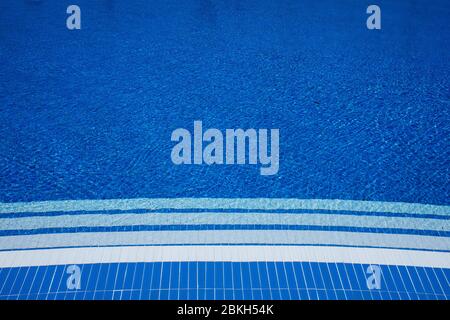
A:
355, 295
228, 275
304, 295
254, 275
38, 277
108, 295
174, 275
309, 278
163, 293
341, 295
331, 295
192, 294
89, 295
262, 267
138, 275
237, 276
228, 294
312, 294
111, 276
445, 285
201, 294
165, 276
117, 295
173, 294
388, 281
69, 296
218, 275
397, 277
27, 281
147, 277
322, 294
126, 295
184, 274
93, 273
183, 294
245, 272
209, 278
156, 275
353, 282
201, 278
257, 294
323, 270
361, 276
299, 275
367, 295
219, 294
209, 294
343, 276
404, 295
192, 281
416, 280
316, 271
281, 274
128, 277
437, 288
404, 274
14, 281
285, 294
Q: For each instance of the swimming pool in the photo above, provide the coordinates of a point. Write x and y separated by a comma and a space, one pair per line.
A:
93, 207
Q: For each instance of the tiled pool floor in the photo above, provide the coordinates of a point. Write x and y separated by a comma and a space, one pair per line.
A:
224, 280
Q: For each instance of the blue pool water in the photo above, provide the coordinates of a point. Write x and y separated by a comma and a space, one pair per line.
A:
88, 115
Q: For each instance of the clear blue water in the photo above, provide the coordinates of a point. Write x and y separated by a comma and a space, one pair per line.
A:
88, 114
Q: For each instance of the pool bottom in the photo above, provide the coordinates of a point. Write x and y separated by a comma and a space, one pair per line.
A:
224, 280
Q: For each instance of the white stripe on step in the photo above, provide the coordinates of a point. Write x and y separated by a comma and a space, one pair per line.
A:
224, 253
216, 218
270, 237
